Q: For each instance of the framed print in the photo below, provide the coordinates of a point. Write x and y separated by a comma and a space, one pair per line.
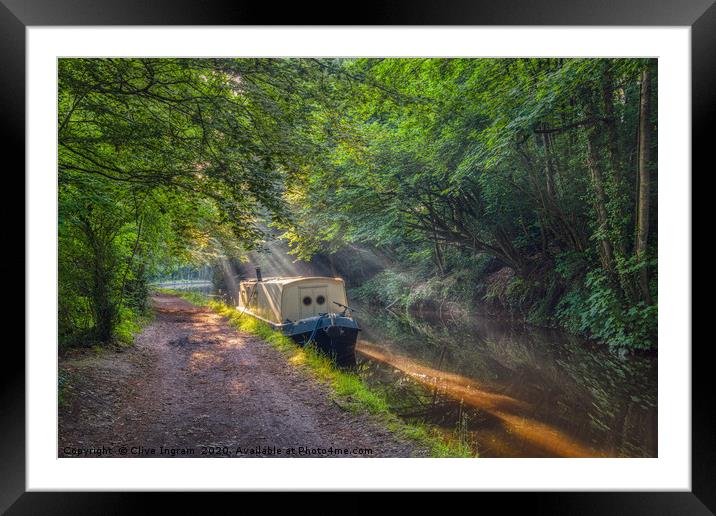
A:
430, 242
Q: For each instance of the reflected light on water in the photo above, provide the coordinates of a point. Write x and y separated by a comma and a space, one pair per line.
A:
512, 413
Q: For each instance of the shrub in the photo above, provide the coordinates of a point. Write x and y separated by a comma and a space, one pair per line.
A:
594, 310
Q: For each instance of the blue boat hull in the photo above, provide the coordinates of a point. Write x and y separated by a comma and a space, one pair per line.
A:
333, 334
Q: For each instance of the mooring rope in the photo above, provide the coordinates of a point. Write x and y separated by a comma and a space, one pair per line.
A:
248, 301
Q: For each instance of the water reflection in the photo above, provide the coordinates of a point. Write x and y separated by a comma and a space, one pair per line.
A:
517, 392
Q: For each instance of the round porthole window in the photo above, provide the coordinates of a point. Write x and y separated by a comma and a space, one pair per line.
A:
307, 300
320, 300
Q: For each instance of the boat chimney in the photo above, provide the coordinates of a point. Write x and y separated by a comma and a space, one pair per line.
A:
258, 274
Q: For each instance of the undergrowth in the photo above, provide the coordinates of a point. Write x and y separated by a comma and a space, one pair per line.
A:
64, 380
573, 298
130, 325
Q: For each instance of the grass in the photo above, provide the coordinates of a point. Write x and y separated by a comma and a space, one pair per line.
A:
350, 392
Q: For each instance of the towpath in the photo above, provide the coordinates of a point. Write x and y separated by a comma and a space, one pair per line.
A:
193, 386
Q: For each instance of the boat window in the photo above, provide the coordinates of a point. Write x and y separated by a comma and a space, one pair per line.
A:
306, 300
320, 300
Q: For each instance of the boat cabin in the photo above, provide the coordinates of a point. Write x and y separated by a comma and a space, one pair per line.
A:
282, 299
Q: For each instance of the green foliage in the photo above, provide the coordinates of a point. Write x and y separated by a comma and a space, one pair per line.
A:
164, 162
385, 288
439, 163
64, 382
130, 323
517, 292
594, 310
449, 169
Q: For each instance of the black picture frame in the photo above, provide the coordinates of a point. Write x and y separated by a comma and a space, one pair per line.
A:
700, 15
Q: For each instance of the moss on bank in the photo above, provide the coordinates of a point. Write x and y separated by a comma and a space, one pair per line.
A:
349, 390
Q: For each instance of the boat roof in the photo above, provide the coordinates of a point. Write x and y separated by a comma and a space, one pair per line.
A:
287, 280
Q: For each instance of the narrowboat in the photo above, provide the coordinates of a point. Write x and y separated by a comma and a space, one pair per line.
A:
313, 308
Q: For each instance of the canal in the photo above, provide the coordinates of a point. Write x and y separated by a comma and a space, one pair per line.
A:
512, 390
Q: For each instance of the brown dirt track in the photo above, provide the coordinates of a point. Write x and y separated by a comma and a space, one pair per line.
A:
192, 382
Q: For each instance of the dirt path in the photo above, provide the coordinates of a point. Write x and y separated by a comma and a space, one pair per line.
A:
194, 385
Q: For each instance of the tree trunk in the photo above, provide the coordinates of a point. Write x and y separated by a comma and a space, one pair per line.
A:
642, 233
549, 165
439, 260
620, 201
611, 126
104, 311
606, 252
332, 264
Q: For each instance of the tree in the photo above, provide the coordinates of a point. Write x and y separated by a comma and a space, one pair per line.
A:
642, 234
522, 161
157, 153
